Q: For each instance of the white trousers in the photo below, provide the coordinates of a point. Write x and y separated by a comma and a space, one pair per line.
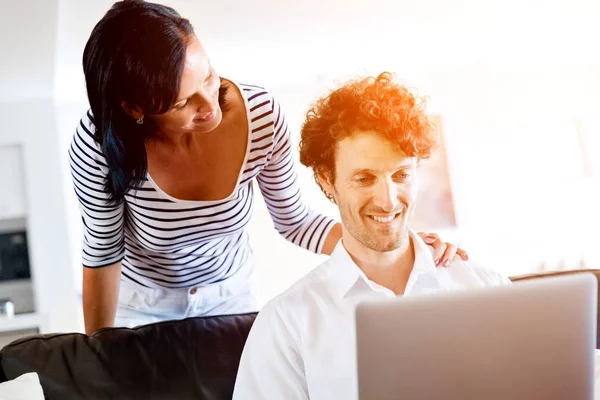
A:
139, 305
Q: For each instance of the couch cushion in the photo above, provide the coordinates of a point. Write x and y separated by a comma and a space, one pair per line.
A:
24, 387
195, 358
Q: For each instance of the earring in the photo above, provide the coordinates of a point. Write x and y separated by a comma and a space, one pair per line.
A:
140, 120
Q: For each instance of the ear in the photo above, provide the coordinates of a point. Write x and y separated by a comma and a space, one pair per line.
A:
132, 110
325, 179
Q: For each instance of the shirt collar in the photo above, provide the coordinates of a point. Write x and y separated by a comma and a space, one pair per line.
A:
346, 274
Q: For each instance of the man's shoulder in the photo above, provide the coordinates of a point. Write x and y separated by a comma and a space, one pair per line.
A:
474, 274
315, 284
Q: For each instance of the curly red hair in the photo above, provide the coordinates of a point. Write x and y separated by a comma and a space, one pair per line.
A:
371, 104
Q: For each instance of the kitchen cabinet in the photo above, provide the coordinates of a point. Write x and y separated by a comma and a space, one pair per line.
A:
12, 182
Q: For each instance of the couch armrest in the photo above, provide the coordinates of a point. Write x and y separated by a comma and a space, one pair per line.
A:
550, 274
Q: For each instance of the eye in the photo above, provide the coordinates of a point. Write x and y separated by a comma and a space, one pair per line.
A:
209, 78
182, 104
401, 176
363, 180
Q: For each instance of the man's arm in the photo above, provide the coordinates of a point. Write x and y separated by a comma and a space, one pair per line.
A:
271, 366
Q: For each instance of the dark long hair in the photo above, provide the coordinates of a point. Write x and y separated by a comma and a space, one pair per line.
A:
135, 54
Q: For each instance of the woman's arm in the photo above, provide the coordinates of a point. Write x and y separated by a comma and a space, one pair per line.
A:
278, 182
103, 237
100, 296
332, 239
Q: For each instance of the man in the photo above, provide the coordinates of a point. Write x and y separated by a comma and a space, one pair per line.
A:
364, 142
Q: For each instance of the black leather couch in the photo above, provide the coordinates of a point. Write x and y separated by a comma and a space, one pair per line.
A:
195, 358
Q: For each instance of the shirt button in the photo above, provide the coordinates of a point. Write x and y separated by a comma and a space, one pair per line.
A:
193, 290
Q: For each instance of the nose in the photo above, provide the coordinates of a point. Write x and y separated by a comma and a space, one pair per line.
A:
386, 195
207, 101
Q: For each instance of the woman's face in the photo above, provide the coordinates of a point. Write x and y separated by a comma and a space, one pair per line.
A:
196, 109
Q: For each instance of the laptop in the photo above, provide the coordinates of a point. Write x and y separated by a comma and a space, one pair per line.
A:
529, 340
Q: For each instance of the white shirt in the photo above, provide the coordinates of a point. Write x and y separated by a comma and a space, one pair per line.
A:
302, 344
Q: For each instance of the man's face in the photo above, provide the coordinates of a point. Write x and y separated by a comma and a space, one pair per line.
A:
375, 189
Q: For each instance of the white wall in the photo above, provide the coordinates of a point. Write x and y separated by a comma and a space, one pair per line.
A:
27, 46
509, 77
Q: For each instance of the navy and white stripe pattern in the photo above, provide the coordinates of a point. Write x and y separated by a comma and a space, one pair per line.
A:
165, 242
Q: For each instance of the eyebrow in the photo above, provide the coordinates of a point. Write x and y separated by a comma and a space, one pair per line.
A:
186, 98
369, 170
180, 100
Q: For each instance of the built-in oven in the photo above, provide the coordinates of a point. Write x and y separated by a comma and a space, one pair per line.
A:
15, 271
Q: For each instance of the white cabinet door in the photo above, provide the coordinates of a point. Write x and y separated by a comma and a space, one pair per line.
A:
12, 182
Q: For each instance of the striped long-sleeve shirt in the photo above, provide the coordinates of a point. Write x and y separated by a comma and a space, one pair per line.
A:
165, 242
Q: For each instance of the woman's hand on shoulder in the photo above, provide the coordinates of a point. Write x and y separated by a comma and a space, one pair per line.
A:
443, 252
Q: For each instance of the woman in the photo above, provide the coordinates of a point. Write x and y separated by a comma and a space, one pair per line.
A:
163, 166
